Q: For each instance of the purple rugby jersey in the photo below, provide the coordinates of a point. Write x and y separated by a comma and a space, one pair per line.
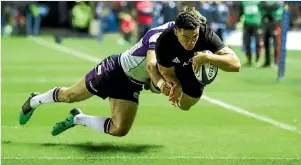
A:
133, 61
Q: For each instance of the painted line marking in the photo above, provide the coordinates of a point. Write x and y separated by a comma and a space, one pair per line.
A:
150, 157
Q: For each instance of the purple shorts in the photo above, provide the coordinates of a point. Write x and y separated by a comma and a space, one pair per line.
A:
108, 79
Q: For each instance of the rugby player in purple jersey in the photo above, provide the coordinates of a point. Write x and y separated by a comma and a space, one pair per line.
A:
119, 77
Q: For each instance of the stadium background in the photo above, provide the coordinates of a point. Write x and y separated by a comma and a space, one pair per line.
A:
244, 118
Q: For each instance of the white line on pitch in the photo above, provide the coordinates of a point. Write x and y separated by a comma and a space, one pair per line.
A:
65, 49
87, 57
8, 126
250, 114
36, 80
151, 157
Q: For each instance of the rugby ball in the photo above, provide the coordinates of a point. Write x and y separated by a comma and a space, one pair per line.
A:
206, 73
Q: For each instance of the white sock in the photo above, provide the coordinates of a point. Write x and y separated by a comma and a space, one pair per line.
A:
95, 122
47, 97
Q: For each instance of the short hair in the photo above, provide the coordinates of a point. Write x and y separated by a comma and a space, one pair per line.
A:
189, 19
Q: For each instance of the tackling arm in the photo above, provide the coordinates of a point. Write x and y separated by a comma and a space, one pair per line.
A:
154, 74
151, 67
169, 75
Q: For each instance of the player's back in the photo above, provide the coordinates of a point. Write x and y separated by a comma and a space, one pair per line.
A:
133, 61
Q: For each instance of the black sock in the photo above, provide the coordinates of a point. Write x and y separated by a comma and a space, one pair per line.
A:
56, 94
107, 125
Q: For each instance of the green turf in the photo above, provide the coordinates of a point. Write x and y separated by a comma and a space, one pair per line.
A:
208, 134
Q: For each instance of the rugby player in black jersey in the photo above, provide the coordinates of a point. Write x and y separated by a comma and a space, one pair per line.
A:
180, 50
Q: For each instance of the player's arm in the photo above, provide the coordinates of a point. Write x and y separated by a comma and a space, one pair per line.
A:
151, 60
169, 74
152, 67
225, 59
154, 74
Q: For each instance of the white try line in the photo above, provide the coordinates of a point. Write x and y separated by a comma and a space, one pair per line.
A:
233, 108
149, 158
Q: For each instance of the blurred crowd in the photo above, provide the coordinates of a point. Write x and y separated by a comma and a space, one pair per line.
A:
260, 21
21, 18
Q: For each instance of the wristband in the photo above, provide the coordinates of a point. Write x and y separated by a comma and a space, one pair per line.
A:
160, 83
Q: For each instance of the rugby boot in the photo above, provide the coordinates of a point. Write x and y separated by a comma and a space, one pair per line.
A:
26, 111
65, 124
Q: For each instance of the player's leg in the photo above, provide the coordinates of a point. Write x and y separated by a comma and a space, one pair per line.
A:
257, 32
123, 116
107, 80
75, 93
192, 90
267, 36
248, 44
186, 101
124, 107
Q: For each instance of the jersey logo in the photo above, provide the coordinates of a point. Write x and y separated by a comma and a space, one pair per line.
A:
99, 71
92, 87
176, 60
187, 63
136, 95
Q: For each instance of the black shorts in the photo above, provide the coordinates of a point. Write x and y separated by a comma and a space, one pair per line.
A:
108, 79
190, 85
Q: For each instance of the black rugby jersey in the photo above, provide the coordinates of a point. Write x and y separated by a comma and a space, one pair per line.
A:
170, 52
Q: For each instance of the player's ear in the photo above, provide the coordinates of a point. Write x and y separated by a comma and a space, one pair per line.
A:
175, 31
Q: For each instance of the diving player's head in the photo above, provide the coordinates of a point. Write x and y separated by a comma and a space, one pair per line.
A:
187, 27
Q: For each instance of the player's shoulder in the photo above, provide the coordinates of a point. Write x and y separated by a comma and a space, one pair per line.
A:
161, 28
205, 30
208, 39
164, 26
206, 34
167, 37
165, 42
157, 31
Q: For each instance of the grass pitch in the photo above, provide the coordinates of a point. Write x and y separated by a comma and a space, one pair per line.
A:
161, 134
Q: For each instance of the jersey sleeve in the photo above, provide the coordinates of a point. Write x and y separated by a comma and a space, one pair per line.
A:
164, 54
152, 41
214, 43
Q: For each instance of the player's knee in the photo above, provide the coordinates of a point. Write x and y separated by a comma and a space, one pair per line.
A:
121, 133
119, 130
185, 108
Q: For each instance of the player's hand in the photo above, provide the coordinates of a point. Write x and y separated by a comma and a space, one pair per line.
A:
199, 59
175, 94
165, 88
